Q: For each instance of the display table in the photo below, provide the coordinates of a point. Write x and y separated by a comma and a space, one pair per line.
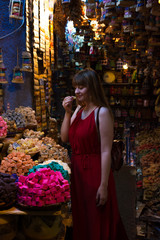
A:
38, 224
16, 211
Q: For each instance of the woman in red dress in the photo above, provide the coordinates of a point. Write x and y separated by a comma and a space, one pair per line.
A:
94, 204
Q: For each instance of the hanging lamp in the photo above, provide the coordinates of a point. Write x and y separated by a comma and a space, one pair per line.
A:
26, 62
2, 69
16, 9
17, 73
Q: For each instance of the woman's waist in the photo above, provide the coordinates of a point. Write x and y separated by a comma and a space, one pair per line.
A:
86, 160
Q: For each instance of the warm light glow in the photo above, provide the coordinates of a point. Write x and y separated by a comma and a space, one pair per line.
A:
97, 37
117, 40
135, 49
125, 66
102, 25
94, 25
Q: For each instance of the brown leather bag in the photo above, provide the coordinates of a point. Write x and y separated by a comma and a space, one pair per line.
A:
117, 149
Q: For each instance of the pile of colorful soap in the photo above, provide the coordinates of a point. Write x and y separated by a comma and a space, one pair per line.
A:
12, 115
50, 149
28, 113
3, 128
42, 188
32, 134
8, 189
16, 162
63, 164
53, 166
27, 146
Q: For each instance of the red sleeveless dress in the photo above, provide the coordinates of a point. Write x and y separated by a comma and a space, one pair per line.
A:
89, 221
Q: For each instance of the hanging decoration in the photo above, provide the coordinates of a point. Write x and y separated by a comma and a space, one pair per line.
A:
17, 74
2, 69
26, 61
76, 13
60, 20
125, 3
110, 3
16, 9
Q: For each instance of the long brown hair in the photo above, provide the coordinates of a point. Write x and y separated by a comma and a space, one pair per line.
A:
90, 79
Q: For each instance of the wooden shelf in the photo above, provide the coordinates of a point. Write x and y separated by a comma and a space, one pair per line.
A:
16, 211
121, 84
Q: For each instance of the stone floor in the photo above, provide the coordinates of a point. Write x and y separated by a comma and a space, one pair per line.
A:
125, 181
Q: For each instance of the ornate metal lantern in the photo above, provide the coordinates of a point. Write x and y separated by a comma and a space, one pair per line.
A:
16, 9
17, 73
26, 62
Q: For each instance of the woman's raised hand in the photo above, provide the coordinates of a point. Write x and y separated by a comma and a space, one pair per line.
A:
67, 103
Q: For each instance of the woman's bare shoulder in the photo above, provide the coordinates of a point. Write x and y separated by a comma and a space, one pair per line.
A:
104, 111
105, 114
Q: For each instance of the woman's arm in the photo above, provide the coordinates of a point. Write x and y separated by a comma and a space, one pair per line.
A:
67, 121
65, 127
106, 138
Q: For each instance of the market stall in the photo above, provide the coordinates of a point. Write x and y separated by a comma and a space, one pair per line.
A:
42, 45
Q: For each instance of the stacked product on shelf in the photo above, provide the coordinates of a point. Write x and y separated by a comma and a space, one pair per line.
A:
148, 152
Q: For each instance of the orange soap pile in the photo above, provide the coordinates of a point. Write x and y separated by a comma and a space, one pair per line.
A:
17, 162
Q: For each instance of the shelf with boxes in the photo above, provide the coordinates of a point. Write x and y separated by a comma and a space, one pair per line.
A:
133, 107
148, 217
130, 100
